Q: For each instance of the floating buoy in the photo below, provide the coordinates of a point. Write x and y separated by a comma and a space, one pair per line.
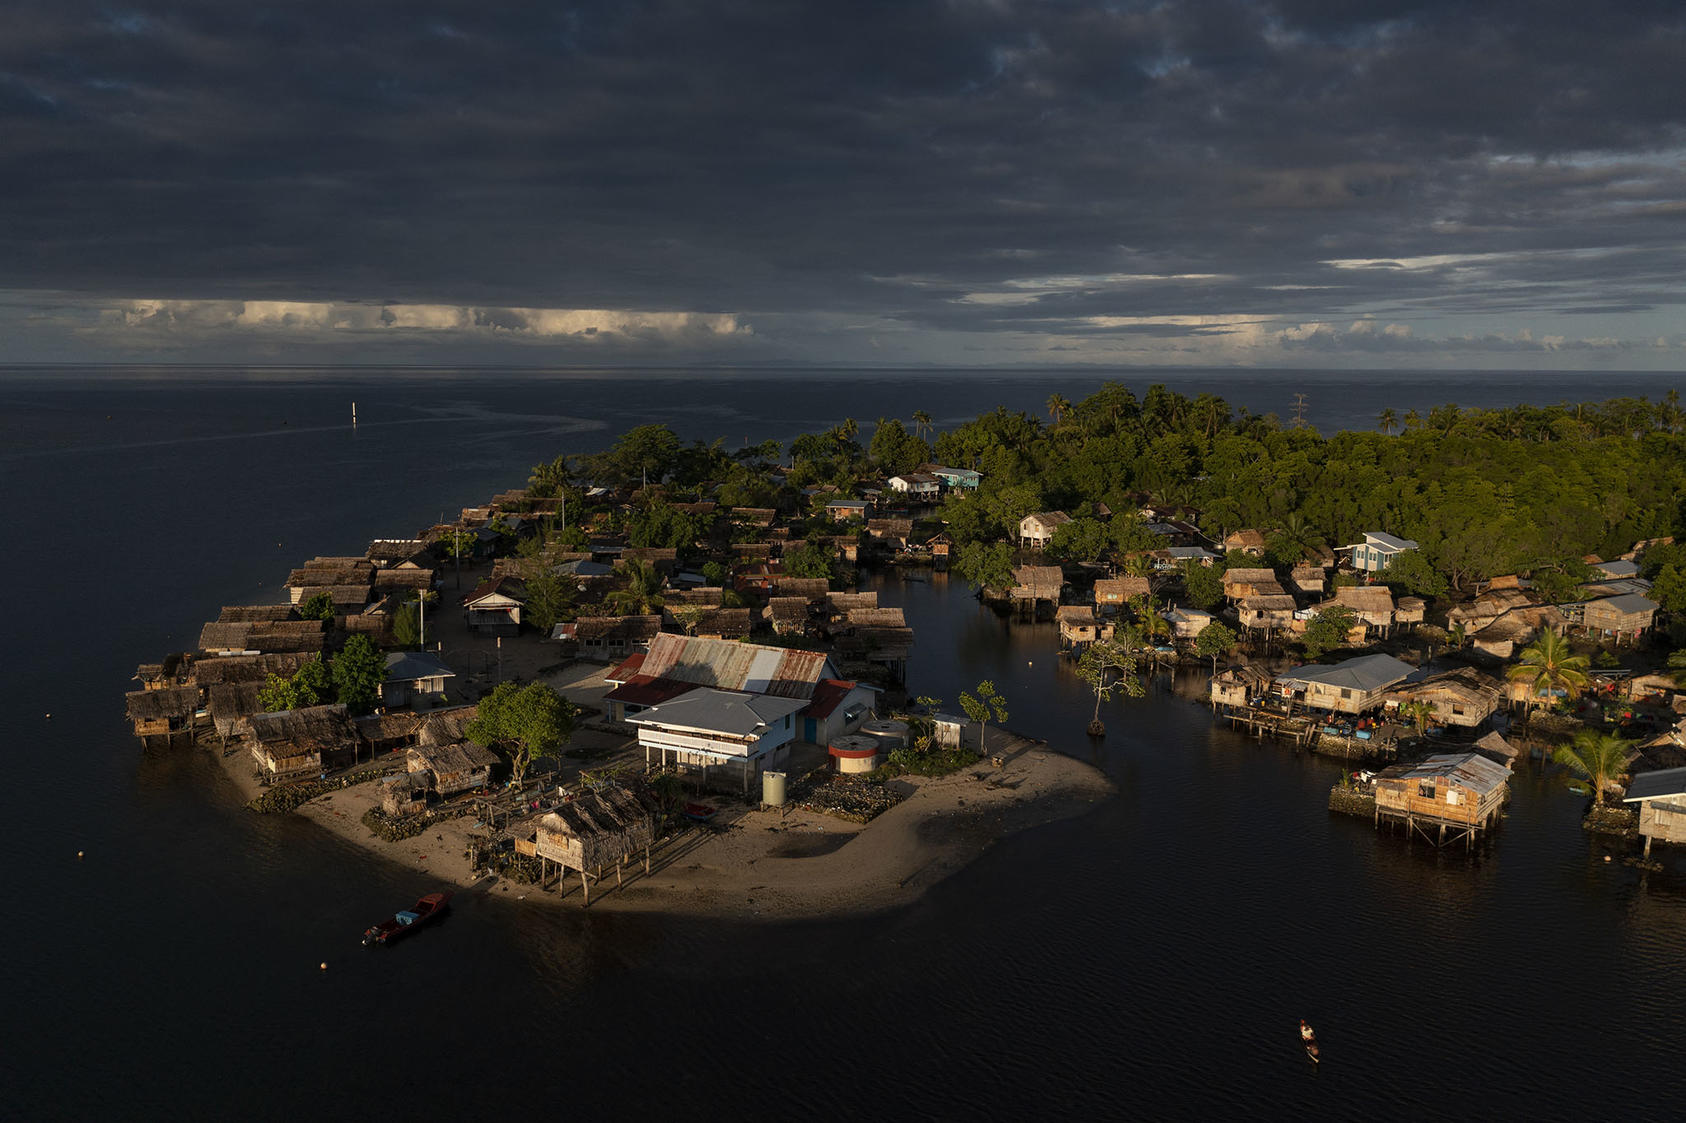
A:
79, 855
49, 717
323, 967
1606, 857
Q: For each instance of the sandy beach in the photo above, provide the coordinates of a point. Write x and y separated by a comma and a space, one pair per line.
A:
773, 864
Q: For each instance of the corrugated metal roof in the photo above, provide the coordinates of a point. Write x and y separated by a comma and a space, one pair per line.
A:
708, 710
1367, 672
1629, 603
1656, 785
735, 666
1469, 770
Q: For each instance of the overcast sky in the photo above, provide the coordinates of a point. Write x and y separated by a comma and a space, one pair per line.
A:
969, 182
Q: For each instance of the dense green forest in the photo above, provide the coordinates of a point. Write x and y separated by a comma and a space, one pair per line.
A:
1483, 491
1528, 489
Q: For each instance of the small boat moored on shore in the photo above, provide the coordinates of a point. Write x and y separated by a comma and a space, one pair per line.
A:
404, 922
701, 812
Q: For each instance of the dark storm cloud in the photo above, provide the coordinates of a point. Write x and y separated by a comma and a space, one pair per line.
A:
904, 162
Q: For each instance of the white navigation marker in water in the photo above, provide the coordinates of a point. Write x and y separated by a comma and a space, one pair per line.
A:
354, 415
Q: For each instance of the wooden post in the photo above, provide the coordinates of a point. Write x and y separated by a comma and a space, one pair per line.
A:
619, 862
646, 859
585, 882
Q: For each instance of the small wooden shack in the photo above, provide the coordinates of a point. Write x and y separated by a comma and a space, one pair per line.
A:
458, 767
1462, 696
1308, 580
612, 637
1618, 618
405, 794
297, 742
1033, 583
789, 616
1371, 604
1037, 530
1079, 625
1445, 798
1112, 593
1266, 612
494, 609
232, 705
1238, 686
1240, 583
1661, 797
165, 712
594, 830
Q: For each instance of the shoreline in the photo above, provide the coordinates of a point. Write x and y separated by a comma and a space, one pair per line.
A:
787, 864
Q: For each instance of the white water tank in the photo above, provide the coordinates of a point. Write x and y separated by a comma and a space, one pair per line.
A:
772, 789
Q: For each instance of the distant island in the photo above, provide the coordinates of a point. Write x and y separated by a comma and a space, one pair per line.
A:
633, 664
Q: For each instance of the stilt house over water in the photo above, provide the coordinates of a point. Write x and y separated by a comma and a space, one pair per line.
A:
162, 713
596, 829
1662, 805
1445, 798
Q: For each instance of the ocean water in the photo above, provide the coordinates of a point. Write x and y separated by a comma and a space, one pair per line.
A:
1148, 959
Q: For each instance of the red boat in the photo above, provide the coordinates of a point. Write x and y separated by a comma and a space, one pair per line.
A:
425, 911
700, 812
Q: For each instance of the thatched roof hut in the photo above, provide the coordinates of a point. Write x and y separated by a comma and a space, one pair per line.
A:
789, 615
457, 767
596, 829
405, 794
703, 594
1372, 604
209, 672
256, 613
1237, 686
302, 740
1038, 582
232, 704
813, 588
407, 580
441, 727
390, 551
1114, 591
847, 602
162, 712
263, 636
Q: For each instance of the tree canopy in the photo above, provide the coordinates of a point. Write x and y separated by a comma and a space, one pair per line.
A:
358, 672
529, 722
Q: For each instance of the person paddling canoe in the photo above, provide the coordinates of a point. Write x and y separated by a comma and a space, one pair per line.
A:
1308, 1038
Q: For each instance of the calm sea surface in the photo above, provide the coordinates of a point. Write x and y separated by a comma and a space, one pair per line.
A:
1147, 959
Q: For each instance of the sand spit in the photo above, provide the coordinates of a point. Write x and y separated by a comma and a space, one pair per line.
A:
782, 865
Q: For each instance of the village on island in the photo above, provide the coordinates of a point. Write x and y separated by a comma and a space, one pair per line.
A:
655, 665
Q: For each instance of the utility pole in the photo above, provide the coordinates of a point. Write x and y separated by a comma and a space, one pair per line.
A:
1299, 411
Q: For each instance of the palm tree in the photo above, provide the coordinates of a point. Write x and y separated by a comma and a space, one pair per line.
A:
1671, 411
1058, 409
1599, 757
548, 479
1297, 536
1418, 712
1548, 665
643, 588
1388, 421
921, 423
1413, 419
